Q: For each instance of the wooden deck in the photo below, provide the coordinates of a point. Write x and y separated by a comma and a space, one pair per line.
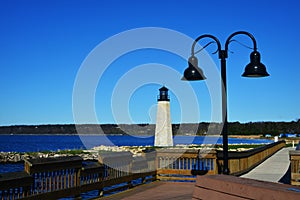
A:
156, 190
55, 178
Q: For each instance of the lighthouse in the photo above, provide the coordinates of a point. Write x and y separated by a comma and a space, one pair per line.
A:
163, 128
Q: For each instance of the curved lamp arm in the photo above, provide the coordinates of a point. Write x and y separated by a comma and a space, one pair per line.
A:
239, 33
204, 36
254, 69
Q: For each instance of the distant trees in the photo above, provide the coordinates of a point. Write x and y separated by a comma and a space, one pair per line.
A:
204, 128
256, 128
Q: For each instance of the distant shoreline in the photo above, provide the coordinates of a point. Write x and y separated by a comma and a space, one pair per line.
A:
55, 134
230, 136
250, 129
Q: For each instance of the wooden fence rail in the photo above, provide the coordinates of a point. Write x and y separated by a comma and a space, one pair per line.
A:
53, 178
183, 164
15, 185
295, 167
242, 162
54, 174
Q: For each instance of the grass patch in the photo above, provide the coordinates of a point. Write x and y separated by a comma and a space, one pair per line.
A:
32, 153
246, 146
66, 151
72, 152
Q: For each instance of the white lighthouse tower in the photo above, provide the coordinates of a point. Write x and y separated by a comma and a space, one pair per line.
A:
163, 128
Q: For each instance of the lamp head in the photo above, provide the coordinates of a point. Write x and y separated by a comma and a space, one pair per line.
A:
255, 68
193, 72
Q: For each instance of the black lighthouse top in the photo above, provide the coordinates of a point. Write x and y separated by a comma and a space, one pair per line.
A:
163, 94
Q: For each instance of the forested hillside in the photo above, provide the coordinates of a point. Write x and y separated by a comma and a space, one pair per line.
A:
234, 128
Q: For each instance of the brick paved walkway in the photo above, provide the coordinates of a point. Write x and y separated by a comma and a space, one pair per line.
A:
156, 191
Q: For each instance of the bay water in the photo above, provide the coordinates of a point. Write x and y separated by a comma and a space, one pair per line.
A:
34, 143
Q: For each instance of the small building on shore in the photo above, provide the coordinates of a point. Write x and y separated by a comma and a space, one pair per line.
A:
288, 135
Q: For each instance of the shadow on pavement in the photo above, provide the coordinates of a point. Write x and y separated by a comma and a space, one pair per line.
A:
286, 179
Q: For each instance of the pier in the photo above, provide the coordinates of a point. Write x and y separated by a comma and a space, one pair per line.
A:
274, 169
150, 176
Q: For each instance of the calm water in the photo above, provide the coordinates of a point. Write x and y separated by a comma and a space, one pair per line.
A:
33, 143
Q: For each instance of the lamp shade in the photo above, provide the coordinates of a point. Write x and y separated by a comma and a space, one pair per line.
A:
255, 68
193, 72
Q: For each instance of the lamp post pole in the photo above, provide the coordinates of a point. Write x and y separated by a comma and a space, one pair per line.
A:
254, 69
224, 132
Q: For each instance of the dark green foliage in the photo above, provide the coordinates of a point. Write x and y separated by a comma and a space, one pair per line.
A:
203, 128
262, 128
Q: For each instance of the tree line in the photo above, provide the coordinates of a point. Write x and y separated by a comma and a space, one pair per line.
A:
203, 128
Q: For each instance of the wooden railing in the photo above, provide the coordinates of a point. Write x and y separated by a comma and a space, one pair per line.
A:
295, 167
123, 171
53, 178
242, 162
176, 164
68, 176
15, 185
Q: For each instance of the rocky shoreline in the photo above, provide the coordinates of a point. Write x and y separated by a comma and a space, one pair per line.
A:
92, 154
88, 155
14, 157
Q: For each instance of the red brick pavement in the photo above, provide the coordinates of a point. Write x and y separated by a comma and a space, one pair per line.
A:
155, 191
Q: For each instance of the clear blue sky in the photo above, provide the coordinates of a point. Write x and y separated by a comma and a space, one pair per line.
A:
44, 43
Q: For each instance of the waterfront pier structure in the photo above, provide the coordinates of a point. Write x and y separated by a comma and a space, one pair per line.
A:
61, 177
163, 128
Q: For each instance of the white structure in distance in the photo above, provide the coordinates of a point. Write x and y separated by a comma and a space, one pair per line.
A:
163, 128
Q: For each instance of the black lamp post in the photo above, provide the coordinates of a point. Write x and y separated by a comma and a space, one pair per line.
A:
254, 69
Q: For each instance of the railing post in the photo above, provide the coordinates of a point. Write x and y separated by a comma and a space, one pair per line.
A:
150, 157
156, 165
214, 156
295, 167
129, 183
